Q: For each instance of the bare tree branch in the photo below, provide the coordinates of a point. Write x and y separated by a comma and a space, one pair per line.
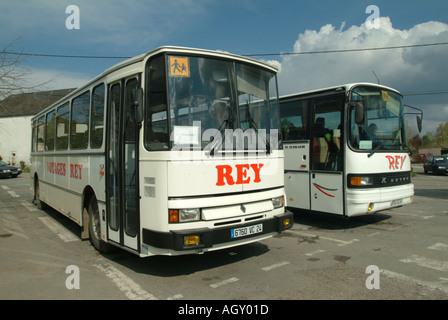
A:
14, 75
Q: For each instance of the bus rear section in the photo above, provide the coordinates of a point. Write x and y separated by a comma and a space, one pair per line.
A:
345, 150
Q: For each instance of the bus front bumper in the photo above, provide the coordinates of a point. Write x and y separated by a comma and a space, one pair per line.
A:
207, 238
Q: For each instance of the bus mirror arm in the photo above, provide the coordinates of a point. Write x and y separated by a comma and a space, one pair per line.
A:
137, 104
419, 116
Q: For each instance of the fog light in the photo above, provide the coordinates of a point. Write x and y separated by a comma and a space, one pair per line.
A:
286, 222
191, 240
370, 207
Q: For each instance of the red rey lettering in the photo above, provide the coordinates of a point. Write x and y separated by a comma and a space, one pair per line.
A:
396, 162
257, 169
241, 170
76, 171
225, 174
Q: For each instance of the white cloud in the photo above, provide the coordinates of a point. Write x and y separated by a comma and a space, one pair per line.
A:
407, 70
53, 79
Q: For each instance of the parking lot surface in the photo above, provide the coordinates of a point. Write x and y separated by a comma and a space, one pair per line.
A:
396, 254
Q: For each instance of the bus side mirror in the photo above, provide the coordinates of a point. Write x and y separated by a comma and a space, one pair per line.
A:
359, 111
419, 123
137, 104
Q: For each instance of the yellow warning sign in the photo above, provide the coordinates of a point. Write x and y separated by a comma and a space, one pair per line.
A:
179, 66
385, 95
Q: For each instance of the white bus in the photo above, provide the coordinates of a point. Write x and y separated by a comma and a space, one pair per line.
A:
345, 150
171, 152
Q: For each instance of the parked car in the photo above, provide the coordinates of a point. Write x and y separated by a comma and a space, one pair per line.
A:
419, 157
7, 171
436, 164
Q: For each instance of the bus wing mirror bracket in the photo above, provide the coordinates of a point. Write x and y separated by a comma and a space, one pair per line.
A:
137, 104
419, 114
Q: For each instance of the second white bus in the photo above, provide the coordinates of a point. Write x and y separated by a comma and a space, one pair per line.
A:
345, 150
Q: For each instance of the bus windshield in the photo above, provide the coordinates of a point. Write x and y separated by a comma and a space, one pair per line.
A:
381, 126
221, 105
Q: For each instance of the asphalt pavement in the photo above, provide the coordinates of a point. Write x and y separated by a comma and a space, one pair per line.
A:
399, 254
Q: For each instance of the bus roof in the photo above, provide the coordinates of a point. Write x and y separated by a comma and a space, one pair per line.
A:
186, 50
348, 86
164, 49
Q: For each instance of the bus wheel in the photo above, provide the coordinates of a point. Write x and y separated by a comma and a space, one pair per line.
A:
95, 227
40, 205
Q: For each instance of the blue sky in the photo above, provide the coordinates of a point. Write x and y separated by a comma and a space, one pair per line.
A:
128, 28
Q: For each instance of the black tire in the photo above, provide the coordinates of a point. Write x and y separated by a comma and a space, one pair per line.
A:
40, 205
95, 227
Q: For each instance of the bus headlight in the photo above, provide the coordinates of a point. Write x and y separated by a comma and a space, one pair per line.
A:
278, 202
357, 181
184, 215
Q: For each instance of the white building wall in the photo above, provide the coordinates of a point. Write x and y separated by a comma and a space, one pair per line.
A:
15, 140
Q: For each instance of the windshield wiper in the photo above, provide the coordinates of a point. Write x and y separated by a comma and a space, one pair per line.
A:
382, 143
254, 125
377, 147
220, 130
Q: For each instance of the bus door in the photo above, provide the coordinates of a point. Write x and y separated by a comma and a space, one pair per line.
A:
122, 166
297, 170
326, 183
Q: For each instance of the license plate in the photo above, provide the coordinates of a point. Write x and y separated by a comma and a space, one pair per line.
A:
246, 231
395, 202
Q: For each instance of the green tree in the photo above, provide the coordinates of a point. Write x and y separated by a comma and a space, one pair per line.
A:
415, 143
429, 139
441, 135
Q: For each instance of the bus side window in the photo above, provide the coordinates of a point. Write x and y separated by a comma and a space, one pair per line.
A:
294, 120
33, 136
97, 125
50, 131
80, 122
62, 127
40, 134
